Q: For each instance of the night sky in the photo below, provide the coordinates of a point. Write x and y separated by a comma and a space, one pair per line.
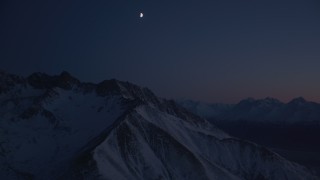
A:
214, 51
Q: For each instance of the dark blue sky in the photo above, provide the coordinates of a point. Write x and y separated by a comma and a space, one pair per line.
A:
216, 51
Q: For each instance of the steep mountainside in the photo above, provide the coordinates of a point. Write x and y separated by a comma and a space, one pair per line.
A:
56, 127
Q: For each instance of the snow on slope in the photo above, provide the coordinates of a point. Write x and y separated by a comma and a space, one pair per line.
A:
55, 127
151, 144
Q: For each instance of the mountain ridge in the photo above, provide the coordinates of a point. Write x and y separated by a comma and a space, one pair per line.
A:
56, 127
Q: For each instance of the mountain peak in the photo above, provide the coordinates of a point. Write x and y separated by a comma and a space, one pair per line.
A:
66, 81
298, 100
247, 100
268, 100
127, 90
271, 99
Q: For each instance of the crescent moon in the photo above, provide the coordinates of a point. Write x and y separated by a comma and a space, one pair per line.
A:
141, 15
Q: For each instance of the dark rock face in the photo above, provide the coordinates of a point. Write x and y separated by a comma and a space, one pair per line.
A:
44, 81
30, 112
107, 87
7, 81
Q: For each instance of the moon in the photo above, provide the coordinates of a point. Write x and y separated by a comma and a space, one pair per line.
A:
141, 15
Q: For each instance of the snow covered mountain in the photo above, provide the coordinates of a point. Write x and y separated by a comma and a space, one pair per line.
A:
56, 127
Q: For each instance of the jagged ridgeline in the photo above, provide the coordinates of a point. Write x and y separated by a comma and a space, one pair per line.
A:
56, 127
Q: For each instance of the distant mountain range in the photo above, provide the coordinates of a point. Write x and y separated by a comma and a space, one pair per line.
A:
268, 110
292, 129
56, 127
